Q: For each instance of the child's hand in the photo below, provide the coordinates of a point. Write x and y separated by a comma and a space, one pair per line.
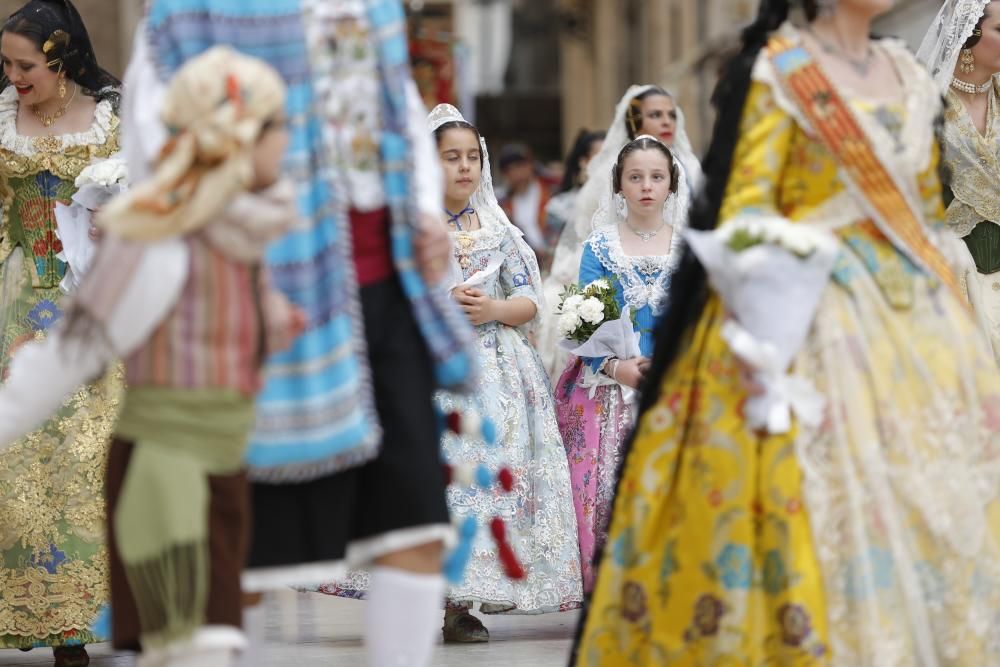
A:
630, 372
478, 307
94, 232
284, 320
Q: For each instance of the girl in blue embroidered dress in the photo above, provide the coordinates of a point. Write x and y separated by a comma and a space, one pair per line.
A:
635, 248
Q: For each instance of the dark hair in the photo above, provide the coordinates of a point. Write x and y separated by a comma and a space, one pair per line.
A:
633, 114
457, 125
511, 154
57, 30
582, 146
977, 32
643, 144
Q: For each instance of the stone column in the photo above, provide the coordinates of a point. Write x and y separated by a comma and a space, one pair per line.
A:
129, 13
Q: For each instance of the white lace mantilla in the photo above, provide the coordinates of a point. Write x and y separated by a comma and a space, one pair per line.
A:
97, 135
645, 279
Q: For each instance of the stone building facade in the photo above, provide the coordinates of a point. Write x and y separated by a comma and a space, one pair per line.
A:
606, 45
570, 60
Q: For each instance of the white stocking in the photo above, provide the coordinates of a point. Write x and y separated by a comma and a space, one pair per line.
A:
209, 646
253, 628
403, 617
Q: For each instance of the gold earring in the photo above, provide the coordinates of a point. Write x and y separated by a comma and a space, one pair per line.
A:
968, 61
62, 86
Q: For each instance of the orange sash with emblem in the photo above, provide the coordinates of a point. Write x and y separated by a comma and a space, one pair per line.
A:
839, 131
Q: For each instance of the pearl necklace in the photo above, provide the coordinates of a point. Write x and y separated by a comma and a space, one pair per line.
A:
971, 88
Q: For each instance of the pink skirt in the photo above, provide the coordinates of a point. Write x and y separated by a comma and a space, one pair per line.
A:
594, 431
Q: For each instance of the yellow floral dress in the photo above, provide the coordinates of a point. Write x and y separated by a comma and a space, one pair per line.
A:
53, 563
870, 541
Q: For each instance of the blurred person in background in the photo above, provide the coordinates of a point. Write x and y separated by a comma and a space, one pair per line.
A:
574, 173
962, 50
345, 459
526, 196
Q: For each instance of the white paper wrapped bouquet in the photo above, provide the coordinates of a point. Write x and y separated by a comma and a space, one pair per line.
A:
593, 325
770, 274
96, 185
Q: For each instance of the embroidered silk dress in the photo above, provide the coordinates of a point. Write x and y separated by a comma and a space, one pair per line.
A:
974, 210
594, 417
53, 562
514, 392
870, 540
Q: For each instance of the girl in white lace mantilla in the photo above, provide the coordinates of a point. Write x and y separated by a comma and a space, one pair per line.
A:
634, 248
499, 288
497, 283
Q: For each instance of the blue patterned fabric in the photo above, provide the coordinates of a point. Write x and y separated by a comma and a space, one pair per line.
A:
641, 283
316, 413
446, 330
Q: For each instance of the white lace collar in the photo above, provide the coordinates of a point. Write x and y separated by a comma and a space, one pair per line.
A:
645, 279
100, 129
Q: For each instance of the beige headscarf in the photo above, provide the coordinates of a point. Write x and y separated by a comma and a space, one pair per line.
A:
215, 108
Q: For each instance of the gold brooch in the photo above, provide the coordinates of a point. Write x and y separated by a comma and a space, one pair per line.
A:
47, 144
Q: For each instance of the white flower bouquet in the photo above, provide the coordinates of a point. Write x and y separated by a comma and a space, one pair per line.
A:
770, 273
583, 309
592, 325
96, 185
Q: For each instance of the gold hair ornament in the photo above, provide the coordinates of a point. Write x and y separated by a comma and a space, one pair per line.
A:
56, 39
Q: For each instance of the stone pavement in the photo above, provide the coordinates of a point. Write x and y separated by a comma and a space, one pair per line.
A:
310, 630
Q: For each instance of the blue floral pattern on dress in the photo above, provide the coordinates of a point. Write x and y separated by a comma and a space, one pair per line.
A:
44, 315
735, 566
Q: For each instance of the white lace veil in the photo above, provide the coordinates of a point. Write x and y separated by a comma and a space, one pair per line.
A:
599, 168
675, 210
943, 42
484, 200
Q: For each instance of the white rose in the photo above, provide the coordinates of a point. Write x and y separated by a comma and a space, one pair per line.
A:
600, 284
572, 304
105, 173
568, 322
592, 310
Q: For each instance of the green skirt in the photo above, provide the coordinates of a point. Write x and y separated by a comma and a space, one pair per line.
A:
53, 560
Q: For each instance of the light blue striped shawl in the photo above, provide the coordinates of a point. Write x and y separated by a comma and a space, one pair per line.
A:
316, 413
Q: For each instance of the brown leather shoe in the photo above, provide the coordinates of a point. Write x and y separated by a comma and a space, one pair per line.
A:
71, 656
461, 627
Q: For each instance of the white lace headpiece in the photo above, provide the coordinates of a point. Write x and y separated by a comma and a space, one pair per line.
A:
599, 168
675, 209
484, 198
943, 42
